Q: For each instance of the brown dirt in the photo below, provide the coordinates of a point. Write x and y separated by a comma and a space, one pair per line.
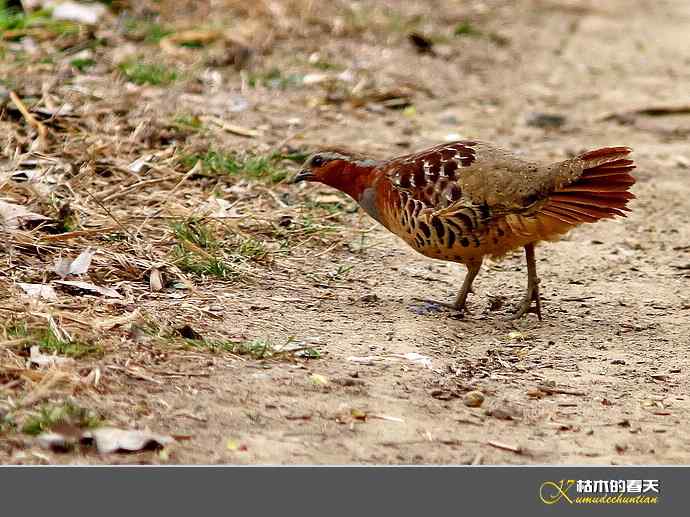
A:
603, 379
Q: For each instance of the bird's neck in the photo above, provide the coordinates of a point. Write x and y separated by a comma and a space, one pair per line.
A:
355, 178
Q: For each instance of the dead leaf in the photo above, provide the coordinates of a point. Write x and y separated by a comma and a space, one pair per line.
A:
55, 442
141, 164
14, 216
233, 128
40, 359
156, 280
506, 446
416, 358
110, 439
81, 264
327, 199
88, 14
39, 291
195, 37
87, 286
388, 418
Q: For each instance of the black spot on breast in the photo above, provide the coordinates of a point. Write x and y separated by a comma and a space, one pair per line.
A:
501, 233
425, 229
455, 225
464, 219
495, 240
451, 238
438, 226
485, 211
464, 242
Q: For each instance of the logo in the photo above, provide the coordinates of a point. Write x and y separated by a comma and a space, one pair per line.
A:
600, 491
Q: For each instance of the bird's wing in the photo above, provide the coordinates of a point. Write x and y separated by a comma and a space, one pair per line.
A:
456, 183
483, 192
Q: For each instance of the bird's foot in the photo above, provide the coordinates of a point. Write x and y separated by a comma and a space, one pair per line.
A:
526, 306
428, 306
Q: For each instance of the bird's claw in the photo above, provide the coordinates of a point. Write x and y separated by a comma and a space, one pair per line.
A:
526, 306
461, 311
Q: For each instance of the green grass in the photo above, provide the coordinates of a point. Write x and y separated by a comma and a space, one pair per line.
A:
274, 79
256, 348
189, 122
49, 343
321, 64
7, 423
145, 30
68, 413
465, 28
250, 249
147, 73
16, 330
201, 265
304, 226
341, 272
256, 167
14, 20
196, 232
82, 64
332, 207
210, 256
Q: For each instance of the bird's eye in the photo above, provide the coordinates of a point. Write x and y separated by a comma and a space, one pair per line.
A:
317, 161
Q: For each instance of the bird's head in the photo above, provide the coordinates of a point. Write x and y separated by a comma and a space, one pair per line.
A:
348, 172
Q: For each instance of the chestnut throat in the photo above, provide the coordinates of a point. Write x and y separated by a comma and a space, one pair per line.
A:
358, 180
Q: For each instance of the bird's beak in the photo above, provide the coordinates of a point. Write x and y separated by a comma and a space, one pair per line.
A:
303, 175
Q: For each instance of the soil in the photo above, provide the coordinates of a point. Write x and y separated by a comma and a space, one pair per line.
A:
601, 380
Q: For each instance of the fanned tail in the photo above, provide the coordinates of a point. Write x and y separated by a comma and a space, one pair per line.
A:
601, 191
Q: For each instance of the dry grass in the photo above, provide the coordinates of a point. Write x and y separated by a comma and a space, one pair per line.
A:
132, 158
163, 141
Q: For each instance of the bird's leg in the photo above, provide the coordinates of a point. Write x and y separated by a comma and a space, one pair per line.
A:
459, 304
460, 301
532, 294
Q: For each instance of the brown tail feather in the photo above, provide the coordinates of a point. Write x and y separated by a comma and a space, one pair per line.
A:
601, 191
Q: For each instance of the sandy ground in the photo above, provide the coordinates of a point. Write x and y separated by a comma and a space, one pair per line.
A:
601, 380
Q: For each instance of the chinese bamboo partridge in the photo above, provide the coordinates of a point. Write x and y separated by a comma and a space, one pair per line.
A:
462, 201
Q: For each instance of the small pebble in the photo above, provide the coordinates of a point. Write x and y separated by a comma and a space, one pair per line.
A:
473, 398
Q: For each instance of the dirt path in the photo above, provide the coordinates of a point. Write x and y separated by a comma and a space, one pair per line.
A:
617, 328
603, 379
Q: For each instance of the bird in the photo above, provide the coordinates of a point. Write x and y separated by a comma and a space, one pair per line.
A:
467, 200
